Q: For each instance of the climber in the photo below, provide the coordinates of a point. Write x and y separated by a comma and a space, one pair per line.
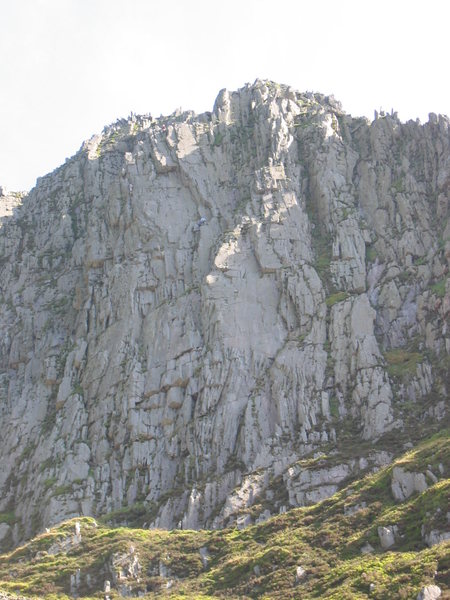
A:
201, 221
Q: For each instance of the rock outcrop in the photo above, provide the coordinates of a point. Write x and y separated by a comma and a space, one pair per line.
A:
193, 304
429, 592
387, 536
404, 483
9, 201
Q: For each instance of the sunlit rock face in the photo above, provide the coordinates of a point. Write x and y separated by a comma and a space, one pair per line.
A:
191, 305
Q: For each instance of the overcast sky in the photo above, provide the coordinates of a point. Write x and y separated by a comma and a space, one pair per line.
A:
69, 67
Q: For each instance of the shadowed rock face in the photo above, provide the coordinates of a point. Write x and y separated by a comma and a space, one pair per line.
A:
147, 357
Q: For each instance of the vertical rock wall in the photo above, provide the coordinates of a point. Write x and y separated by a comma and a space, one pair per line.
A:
148, 359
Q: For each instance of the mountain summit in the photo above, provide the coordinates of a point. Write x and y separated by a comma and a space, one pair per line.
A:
209, 319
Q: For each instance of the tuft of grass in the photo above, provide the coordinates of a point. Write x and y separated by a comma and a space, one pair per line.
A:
49, 483
438, 288
135, 515
402, 363
60, 490
334, 408
218, 139
8, 517
335, 298
323, 263
371, 254
398, 185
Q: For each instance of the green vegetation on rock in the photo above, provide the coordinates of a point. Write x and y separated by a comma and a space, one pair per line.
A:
312, 552
8, 517
401, 362
335, 298
439, 288
371, 254
218, 139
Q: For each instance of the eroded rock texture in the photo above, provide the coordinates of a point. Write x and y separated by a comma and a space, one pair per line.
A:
147, 357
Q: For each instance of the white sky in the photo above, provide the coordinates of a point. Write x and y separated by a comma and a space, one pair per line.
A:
69, 67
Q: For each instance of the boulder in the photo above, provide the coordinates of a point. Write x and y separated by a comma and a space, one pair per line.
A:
429, 592
387, 536
404, 483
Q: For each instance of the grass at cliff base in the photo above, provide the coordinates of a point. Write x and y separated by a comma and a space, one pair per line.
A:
262, 561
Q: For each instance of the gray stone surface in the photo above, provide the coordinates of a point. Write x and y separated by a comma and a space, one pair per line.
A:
300, 573
436, 537
387, 536
429, 592
367, 549
144, 358
404, 483
5, 530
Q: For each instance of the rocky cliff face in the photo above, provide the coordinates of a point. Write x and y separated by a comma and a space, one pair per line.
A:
191, 370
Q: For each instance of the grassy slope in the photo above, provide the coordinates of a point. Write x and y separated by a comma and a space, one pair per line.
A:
261, 561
